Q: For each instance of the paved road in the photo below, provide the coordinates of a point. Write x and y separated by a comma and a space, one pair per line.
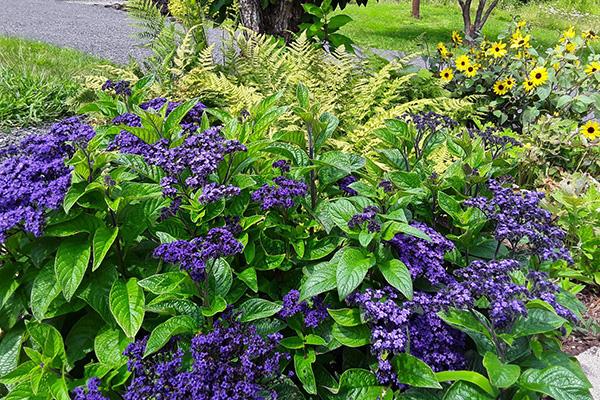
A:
94, 29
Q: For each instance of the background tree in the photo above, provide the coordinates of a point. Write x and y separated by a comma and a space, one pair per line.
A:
279, 17
472, 28
416, 9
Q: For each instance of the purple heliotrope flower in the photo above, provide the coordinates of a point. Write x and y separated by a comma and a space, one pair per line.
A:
281, 194
92, 393
344, 183
517, 216
368, 216
232, 361
313, 313
34, 177
423, 258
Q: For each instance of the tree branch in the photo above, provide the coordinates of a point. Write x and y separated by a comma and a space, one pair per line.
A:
487, 13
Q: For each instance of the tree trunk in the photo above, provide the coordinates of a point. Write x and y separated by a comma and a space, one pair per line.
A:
279, 19
416, 9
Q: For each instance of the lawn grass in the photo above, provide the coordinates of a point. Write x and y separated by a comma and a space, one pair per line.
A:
388, 25
36, 80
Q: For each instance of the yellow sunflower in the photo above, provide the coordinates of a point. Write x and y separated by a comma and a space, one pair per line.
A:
471, 70
592, 68
443, 50
500, 88
522, 24
589, 35
447, 74
571, 47
497, 50
528, 85
591, 130
510, 82
463, 62
456, 38
518, 41
538, 76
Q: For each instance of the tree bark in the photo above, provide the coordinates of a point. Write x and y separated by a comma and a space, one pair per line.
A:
416, 9
279, 19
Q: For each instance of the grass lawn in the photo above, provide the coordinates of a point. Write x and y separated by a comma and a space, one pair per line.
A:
389, 25
36, 79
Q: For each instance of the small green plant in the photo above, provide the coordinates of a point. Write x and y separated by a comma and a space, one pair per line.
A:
324, 27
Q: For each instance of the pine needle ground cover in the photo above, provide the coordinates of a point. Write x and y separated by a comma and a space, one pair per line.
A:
37, 79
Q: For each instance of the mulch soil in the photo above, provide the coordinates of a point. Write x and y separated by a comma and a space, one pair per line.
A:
581, 340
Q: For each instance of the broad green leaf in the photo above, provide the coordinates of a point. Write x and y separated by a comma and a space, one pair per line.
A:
347, 316
172, 121
72, 258
450, 206
414, 372
248, 276
20, 373
360, 384
351, 270
303, 360
221, 278
397, 275
501, 375
217, 305
103, 240
84, 223
322, 279
303, 96
75, 192
351, 336
258, 308
462, 390
163, 283
538, 321
10, 349
341, 211
292, 342
48, 338
391, 228
173, 306
468, 376
556, 381
109, 345
44, 290
163, 332
127, 305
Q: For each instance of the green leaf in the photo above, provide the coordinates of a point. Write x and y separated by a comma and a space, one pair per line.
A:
103, 240
248, 276
163, 283
10, 349
397, 275
75, 192
390, 228
341, 211
398, 128
360, 384
258, 308
303, 361
338, 21
293, 342
462, 390
468, 376
72, 258
351, 336
314, 340
351, 270
450, 206
163, 332
127, 305
502, 375
48, 338
217, 305
172, 121
303, 95
414, 372
556, 381
44, 290
322, 279
346, 316
109, 345
538, 321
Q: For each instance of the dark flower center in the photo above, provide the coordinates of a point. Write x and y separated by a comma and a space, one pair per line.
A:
591, 129
538, 76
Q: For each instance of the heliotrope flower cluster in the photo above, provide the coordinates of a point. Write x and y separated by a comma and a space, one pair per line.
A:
281, 194
517, 216
313, 314
492, 280
386, 185
230, 362
34, 177
344, 185
421, 257
368, 216
396, 327
92, 393
494, 141
192, 256
282, 165
120, 87
429, 121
